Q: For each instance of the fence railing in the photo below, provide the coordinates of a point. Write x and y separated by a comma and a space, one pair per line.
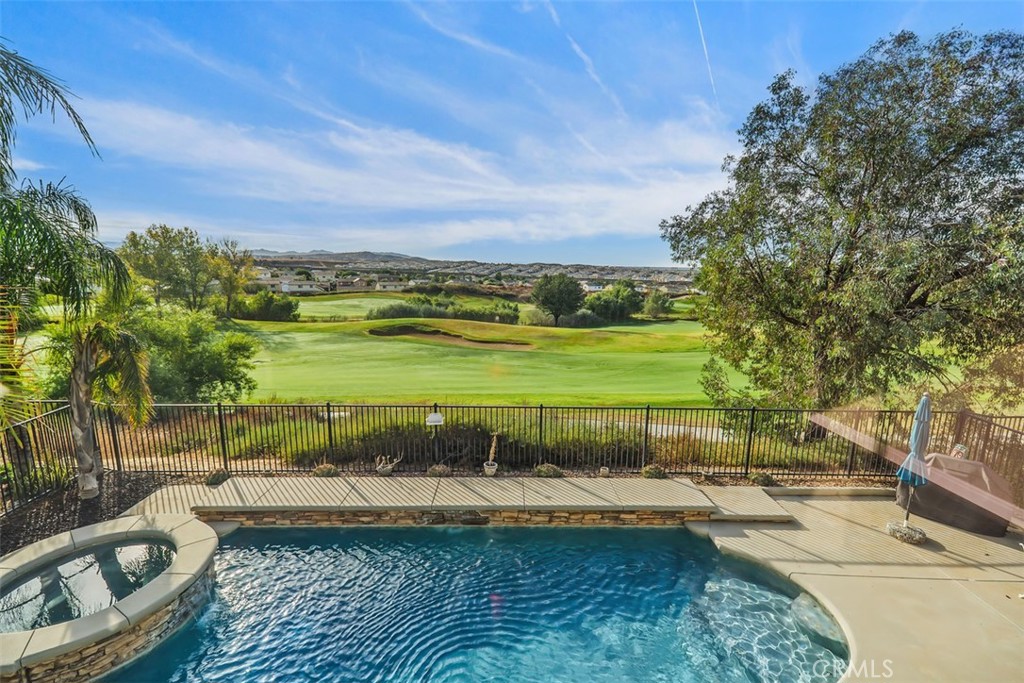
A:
37, 456
281, 438
993, 441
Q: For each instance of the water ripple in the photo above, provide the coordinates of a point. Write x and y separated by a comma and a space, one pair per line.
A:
453, 605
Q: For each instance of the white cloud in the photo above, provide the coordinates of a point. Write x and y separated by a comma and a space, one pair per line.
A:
345, 186
23, 165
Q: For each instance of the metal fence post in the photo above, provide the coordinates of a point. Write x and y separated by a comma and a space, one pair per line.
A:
647, 431
750, 441
540, 437
115, 441
223, 435
330, 432
958, 428
852, 451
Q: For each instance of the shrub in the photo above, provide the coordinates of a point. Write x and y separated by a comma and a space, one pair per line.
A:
422, 307
217, 476
548, 471
439, 470
325, 470
583, 318
44, 477
266, 305
762, 479
653, 472
537, 317
673, 452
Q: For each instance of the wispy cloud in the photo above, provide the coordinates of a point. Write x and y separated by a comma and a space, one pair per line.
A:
456, 192
786, 52
551, 11
23, 165
707, 57
461, 36
588, 63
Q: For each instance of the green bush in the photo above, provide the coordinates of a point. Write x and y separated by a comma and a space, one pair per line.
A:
548, 471
266, 305
45, 477
502, 312
537, 318
583, 318
217, 476
653, 472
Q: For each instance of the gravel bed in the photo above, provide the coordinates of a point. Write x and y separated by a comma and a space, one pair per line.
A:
63, 510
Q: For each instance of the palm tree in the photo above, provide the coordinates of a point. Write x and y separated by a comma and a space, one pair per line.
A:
48, 235
110, 362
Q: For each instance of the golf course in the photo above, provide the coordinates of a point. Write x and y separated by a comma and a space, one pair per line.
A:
458, 361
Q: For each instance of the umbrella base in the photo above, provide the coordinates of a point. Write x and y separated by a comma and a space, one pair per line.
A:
907, 534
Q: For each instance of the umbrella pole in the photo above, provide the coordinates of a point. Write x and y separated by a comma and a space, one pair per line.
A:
906, 518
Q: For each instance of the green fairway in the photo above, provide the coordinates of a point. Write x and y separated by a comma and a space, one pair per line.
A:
656, 363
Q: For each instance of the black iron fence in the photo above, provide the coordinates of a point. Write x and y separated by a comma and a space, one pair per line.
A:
36, 456
291, 438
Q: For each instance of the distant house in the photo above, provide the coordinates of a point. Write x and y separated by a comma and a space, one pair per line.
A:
591, 287
299, 287
390, 286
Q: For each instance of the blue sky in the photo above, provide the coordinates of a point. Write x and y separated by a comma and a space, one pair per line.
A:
526, 131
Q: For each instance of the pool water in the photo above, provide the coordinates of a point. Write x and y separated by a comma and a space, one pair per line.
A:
81, 584
487, 604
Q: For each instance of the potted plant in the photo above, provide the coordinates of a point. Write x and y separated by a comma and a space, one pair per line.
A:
491, 467
385, 465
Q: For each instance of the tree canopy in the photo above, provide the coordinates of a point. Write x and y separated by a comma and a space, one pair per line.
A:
175, 262
557, 294
872, 233
617, 303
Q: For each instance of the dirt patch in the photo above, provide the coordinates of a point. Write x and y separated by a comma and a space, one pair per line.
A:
447, 337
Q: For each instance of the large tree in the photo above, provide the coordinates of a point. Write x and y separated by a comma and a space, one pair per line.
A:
557, 294
872, 232
234, 271
174, 262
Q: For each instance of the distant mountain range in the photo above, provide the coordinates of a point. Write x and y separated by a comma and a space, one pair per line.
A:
371, 261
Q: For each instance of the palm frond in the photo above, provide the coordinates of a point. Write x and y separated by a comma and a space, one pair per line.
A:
47, 231
24, 83
122, 370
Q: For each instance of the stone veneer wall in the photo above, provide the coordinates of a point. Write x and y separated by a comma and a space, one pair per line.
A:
466, 517
117, 650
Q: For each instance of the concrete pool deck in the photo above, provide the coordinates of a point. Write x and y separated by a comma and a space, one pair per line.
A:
950, 611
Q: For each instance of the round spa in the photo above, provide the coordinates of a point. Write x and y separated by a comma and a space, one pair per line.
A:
83, 603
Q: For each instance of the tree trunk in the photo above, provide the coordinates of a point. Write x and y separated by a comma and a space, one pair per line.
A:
82, 429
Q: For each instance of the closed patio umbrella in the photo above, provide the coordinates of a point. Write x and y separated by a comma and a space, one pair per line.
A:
911, 471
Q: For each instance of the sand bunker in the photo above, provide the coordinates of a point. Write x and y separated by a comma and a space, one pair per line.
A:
448, 338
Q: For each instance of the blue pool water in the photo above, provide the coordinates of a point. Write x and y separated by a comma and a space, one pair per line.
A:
486, 604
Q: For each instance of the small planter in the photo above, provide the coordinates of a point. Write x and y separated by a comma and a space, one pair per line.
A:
490, 468
604, 472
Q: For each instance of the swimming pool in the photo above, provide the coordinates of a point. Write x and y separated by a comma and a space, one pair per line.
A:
488, 604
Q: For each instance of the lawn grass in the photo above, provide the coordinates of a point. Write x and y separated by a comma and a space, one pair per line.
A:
656, 363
